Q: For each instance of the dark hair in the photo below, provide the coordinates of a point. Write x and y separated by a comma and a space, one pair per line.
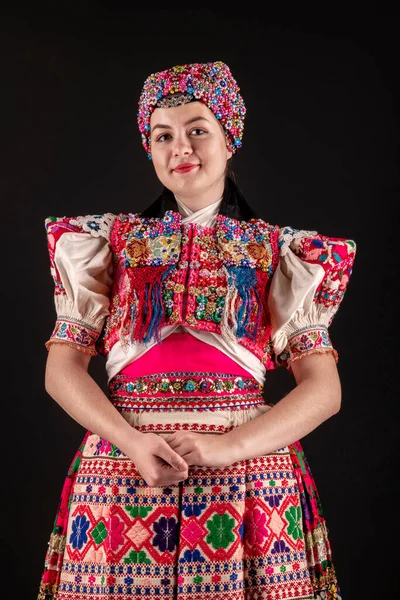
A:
233, 203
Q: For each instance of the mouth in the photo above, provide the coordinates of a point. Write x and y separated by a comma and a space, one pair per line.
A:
185, 168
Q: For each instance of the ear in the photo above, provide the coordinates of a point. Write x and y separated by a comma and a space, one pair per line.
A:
229, 153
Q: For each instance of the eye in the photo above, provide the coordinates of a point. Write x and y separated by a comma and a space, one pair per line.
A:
198, 131
160, 137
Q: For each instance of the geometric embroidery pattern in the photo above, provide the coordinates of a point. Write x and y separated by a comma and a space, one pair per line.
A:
253, 530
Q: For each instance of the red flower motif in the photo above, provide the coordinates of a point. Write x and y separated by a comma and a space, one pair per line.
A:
115, 527
255, 526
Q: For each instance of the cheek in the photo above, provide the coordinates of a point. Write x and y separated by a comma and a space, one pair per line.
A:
215, 157
159, 162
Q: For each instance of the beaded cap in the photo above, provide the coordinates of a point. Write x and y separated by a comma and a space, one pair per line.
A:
211, 83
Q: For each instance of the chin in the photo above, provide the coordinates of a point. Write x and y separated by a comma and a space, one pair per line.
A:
189, 190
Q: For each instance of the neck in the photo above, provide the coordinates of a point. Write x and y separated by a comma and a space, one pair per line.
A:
209, 196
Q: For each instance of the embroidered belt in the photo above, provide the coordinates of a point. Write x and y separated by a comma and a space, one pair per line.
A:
178, 383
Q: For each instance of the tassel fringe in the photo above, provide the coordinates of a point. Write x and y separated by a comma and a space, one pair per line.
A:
241, 283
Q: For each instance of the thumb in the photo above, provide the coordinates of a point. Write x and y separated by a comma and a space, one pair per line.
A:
173, 458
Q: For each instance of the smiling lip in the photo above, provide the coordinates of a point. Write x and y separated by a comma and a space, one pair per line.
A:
185, 168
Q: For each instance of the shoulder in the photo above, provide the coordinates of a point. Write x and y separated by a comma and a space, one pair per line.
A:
96, 226
314, 247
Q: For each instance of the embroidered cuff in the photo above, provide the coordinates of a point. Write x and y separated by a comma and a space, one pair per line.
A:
309, 340
77, 334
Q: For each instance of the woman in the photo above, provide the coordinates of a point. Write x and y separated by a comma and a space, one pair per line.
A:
187, 481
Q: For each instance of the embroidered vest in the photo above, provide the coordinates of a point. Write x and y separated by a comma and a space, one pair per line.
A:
208, 278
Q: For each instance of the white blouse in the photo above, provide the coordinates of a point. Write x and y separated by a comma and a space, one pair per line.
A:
83, 265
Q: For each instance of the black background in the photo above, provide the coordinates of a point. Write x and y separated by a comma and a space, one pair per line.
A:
319, 152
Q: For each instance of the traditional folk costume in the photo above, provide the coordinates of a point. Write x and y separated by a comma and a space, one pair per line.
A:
191, 311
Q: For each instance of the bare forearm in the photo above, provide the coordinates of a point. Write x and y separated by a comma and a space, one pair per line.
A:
293, 417
71, 386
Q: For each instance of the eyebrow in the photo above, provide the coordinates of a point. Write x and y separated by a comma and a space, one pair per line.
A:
192, 120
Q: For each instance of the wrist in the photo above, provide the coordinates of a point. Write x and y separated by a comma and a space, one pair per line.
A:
128, 438
234, 446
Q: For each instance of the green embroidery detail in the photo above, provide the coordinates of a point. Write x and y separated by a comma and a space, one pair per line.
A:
216, 317
76, 464
114, 451
220, 527
272, 483
137, 557
197, 579
198, 490
202, 300
168, 301
200, 314
99, 533
139, 511
293, 515
283, 569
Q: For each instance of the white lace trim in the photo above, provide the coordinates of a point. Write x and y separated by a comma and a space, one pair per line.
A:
96, 225
287, 234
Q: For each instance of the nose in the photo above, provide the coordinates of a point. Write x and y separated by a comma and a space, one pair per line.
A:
181, 146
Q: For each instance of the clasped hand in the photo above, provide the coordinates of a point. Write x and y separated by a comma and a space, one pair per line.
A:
165, 460
201, 449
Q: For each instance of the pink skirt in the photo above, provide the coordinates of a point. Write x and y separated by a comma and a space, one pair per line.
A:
252, 530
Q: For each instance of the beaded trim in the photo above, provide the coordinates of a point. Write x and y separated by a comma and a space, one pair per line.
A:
210, 403
203, 383
175, 100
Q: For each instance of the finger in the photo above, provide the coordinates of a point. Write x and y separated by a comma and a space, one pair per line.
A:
188, 458
172, 444
171, 457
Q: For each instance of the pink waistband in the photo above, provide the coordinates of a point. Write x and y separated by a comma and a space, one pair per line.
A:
182, 352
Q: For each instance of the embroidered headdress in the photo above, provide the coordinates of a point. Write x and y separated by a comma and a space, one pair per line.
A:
211, 83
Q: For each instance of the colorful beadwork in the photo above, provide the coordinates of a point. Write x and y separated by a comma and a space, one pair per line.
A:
180, 384
211, 83
226, 269
152, 242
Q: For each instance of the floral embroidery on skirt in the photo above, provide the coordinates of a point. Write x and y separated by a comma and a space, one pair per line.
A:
253, 530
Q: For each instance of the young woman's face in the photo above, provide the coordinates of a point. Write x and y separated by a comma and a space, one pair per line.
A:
188, 134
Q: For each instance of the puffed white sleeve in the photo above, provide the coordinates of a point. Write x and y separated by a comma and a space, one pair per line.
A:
82, 268
306, 290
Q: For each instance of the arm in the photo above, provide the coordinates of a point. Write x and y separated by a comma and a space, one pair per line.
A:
70, 385
316, 397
